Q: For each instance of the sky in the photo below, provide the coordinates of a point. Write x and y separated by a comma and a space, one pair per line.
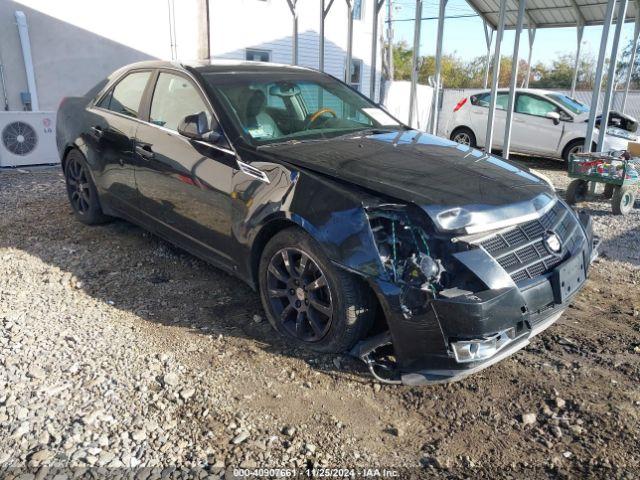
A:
465, 36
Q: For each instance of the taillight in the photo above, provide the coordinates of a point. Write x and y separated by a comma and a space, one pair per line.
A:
460, 104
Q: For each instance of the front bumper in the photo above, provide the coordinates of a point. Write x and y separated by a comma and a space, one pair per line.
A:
451, 375
423, 341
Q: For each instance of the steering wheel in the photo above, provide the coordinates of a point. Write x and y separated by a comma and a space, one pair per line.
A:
315, 116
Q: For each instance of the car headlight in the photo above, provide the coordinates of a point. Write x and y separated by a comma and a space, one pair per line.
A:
405, 249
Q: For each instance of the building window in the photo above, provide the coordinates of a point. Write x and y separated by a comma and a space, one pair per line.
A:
357, 9
355, 77
258, 55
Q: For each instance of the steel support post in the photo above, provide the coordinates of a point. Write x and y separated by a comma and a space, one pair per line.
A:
595, 96
611, 78
488, 38
532, 39
347, 69
522, 4
414, 65
377, 6
324, 11
576, 64
495, 77
438, 80
294, 38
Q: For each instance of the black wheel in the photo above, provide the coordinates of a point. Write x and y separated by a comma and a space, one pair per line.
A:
577, 191
81, 191
608, 190
464, 136
307, 299
622, 200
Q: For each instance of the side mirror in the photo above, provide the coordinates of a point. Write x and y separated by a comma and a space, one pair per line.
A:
196, 127
555, 116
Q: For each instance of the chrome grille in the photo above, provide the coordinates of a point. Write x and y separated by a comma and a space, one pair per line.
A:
521, 251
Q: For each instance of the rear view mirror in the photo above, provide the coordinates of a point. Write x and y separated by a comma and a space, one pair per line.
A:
196, 127
555, 116
284, 89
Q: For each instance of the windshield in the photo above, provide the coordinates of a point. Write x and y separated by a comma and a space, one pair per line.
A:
299, 106
569, 103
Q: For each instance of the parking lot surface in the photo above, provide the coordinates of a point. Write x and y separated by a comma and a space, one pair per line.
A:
119, 350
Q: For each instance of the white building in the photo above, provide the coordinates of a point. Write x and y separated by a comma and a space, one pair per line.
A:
76, 43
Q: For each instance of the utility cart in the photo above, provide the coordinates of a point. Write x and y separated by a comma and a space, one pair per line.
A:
616, 170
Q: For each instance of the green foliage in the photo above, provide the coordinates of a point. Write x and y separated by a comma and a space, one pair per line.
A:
459, 73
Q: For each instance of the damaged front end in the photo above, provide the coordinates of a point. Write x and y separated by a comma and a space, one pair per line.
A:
458, 302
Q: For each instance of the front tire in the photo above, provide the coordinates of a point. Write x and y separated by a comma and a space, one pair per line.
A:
307, 299
82, 192
464, 136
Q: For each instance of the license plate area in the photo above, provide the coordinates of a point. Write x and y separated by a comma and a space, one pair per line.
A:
568, 277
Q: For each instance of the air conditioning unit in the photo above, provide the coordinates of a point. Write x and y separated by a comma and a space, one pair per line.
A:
27, 138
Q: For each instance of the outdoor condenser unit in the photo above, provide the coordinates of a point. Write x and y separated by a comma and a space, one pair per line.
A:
27, 138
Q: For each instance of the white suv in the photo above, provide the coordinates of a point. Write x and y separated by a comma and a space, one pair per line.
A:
545, 123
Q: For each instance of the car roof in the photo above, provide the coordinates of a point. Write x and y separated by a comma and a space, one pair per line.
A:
223, 66
538, 91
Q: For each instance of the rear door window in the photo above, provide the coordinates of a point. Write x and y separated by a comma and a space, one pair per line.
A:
126, 96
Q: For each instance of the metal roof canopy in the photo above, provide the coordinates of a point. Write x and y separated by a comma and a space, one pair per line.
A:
548, 13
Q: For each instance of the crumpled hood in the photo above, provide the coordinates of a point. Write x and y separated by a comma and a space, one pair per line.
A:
416, 167
433, 173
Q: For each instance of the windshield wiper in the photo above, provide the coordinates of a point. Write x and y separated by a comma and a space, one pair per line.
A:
368, 131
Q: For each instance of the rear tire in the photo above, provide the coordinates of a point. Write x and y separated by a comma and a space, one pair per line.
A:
307, 299
81, 191
577, 191
464, 136
622, 200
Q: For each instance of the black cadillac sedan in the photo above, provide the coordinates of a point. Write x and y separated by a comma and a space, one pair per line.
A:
427, 259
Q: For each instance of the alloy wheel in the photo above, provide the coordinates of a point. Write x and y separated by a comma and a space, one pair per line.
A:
78, 186
462, 138
576, 149
299, 295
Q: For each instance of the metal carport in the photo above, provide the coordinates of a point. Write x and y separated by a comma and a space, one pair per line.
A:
498, 16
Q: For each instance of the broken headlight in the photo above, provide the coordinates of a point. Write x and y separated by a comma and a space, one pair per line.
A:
405, 249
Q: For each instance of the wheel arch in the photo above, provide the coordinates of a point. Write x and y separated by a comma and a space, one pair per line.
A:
80, 148
270, 229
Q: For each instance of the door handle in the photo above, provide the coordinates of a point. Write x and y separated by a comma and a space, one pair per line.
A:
145, 151
97, 130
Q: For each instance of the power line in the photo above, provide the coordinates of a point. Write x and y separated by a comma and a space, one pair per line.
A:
433, 18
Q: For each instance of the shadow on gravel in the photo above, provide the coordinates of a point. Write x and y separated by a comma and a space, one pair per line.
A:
124, 266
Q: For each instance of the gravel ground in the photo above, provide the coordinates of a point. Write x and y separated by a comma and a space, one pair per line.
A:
121, 352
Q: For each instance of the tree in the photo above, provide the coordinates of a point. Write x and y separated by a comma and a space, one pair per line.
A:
459, 73
623, 66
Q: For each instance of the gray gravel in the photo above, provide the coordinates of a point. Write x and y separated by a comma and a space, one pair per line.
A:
118, 350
